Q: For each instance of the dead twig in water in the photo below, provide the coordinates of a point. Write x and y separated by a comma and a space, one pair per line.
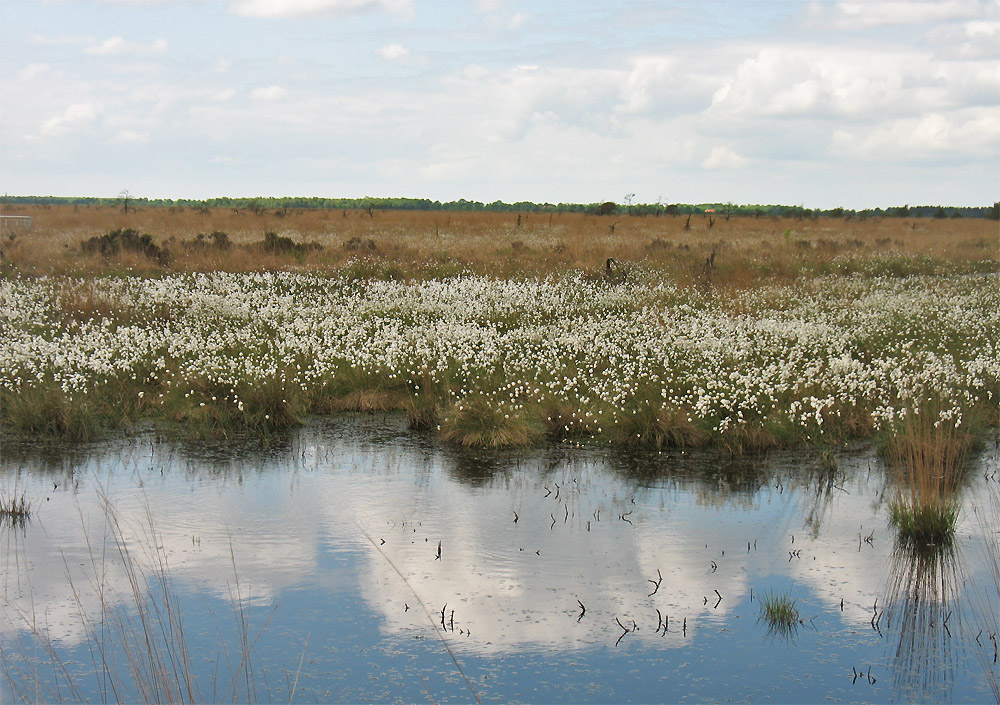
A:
625, 630
656, 584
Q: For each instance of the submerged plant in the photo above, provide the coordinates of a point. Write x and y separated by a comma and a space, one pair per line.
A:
15, 509
780, 614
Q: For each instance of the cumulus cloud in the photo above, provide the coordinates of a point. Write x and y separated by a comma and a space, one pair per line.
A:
75, 116
117, 46
131, 137
517, 19
865, 14
831, 82
394, 53
305, 8
269, 93
34, 71
558, 97
723, 158
969, 133
651, 76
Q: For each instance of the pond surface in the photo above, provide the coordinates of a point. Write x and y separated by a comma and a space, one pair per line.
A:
355, 561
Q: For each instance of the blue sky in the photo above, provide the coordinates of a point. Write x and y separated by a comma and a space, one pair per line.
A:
855, 103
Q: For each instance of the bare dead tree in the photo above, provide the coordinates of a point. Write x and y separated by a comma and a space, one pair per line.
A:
614, 273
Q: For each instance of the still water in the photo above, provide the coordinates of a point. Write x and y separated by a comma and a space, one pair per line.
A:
356, 561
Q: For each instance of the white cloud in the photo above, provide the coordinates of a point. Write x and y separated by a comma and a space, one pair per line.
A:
981, 28
394, 52
502, 104
517, 19
723, 158
864, 14
131, 136
34, 71
836, 82
579, 97
117, 46
74, 116
270, 93
489, 6
969, 133
305, 8
650, 76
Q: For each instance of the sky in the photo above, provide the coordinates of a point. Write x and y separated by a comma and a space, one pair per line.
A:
856, 103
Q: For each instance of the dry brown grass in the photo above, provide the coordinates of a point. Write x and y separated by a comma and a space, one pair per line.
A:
421, 243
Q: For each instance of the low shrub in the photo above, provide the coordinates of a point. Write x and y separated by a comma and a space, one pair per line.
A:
125, 240
216, 240
274, 244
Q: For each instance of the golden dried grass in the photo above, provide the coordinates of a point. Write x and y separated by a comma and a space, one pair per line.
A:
394, 243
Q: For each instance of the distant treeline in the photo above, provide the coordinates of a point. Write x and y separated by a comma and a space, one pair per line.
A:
262, 204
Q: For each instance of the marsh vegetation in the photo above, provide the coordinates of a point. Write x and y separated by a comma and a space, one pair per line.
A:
515, 350
782, 337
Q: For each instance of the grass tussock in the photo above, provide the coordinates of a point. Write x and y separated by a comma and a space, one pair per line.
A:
659, 426
212, 409
925, 521
478, 421
566, 419
751, 438
353, 388
48, 411
427, 400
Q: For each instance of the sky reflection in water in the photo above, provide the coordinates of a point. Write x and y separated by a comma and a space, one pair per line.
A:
324, 526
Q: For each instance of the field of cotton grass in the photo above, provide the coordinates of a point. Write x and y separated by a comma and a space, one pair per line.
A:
503, 362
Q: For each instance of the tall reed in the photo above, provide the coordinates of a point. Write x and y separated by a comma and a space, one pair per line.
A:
927, 450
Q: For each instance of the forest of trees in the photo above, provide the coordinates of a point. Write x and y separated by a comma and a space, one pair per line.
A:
270, 203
